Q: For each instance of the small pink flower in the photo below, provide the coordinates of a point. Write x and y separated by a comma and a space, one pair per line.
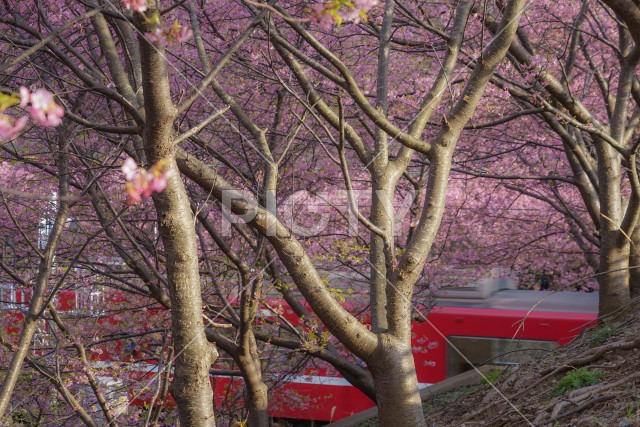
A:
44, 109
157, 36
133, 196
9, 130
136, 5
322, 16
129, 169
41, 99
365, 5
25, 96
174, 34
336, 12
184, 35
158, 184
50, 117
143, 183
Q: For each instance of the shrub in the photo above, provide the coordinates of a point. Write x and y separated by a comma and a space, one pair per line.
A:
576, 379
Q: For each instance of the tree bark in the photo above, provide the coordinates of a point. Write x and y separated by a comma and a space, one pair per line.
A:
257, 391
634, 264
614, 248
191, 387
396, 384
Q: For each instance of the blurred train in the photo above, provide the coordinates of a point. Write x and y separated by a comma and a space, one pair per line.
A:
490, 322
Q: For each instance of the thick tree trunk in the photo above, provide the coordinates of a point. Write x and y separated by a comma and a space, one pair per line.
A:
191, 387
251, 367
634, 264
617, 223
397, 392
614, 248
614, 284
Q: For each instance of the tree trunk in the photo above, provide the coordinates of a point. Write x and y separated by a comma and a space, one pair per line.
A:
36, 303
614, 284
257, 394
394, 375
191, 387
614, 248
247, 358
381, 209
634, 264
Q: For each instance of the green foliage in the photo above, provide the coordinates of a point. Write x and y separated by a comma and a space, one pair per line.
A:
8, 100
22, 417
631, 411
576, 379
340, 294
491, 377
602, 334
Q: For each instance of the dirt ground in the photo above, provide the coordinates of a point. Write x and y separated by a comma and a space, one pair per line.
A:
595, 381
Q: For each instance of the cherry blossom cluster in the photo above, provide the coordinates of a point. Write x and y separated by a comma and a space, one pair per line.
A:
141, 182
42, 107
165, 37
339, 11
136, 5
174, 34
10, 127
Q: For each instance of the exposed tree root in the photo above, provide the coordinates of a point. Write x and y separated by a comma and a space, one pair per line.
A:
592, 355
584, 359
584, 406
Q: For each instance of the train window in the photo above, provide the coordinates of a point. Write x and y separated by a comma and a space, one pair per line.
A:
42, 338
8, 296
496, 351
14, 297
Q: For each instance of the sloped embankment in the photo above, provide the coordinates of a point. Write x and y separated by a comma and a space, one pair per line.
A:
593, 382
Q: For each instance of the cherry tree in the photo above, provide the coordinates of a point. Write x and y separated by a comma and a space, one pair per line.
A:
386, 349
580, 88
231, 109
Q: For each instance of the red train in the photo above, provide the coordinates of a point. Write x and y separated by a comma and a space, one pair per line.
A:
491, 322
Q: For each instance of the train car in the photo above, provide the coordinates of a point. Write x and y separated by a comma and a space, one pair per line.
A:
464, 327
490, 322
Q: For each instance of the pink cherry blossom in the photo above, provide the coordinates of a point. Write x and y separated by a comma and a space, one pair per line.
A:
185, 34
41, 99
44, 109
129, 169
9, 129
143, 183
133, 195
159, 183
174, 34
365, 5
336, 11
136, 5
157, 36
322, 16
25, 96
